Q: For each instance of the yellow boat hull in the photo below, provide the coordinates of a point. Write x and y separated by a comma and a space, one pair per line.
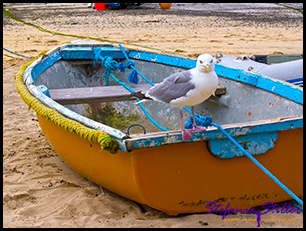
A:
185, 177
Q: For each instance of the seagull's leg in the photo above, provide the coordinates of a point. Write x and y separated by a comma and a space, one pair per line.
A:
186, 134
195, 127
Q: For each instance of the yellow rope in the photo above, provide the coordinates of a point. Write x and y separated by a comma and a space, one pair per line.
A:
107, 143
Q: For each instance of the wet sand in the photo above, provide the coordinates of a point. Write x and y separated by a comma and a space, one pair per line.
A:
39, 188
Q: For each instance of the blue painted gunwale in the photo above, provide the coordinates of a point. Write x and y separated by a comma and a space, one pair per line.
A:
47, 62
69, 52
234, 130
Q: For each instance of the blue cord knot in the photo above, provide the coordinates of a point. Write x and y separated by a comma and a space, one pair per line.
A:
200, 121
130, 64
109, 64
133, 77
121, 67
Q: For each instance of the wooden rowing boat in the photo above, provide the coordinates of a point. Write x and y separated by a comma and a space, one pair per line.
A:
80, 115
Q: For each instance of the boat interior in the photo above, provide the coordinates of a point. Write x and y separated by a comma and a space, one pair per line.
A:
80, 86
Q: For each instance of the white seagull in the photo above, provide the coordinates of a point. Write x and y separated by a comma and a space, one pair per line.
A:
186, 88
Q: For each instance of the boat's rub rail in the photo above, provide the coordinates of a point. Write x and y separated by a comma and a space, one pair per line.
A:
235, 130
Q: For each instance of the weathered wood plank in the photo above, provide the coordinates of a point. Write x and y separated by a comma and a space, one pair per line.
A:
102, 94
94, 94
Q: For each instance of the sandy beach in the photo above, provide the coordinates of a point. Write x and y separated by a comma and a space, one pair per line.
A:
39, 188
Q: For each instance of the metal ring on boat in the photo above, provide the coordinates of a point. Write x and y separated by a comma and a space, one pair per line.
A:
144, 130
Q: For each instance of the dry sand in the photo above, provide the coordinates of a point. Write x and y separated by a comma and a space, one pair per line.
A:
39, 189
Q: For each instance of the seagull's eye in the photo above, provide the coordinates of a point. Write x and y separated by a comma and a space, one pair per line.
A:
201, 61
211, 61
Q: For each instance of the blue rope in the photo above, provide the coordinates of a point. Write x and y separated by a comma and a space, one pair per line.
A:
17, 54
259, 165
140, 104
109, 64
133, 78
207, 121
134, 69
295, 205
150, 118
143, 76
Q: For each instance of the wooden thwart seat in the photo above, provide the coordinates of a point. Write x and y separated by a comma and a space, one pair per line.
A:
102, 94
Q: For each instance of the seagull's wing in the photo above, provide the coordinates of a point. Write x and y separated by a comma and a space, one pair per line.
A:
173, 87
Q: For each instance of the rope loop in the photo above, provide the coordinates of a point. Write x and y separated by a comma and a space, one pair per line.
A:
130, 63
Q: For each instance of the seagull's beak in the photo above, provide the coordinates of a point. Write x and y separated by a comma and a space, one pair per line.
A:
207, 68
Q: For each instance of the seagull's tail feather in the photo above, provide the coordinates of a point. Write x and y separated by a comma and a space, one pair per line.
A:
143, 100
140, 96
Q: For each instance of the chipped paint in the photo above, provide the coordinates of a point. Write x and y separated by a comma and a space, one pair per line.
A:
164, 59
255, 144
245, 129
44, 90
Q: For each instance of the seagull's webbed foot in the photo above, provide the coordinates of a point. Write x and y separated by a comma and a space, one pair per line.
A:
198, 128
187, 134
